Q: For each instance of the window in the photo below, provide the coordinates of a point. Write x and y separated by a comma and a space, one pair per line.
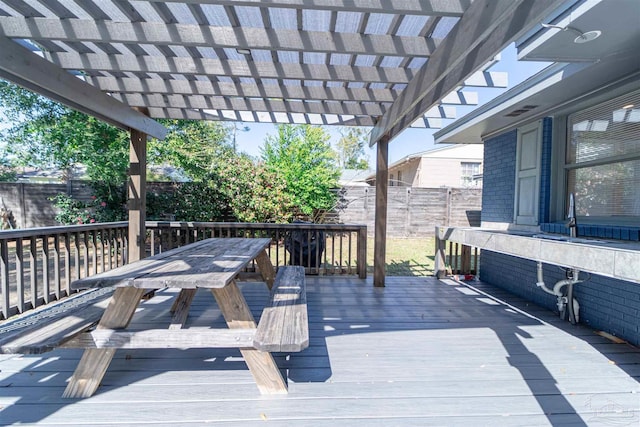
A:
470, 172
399, 178
391, 180
603, 160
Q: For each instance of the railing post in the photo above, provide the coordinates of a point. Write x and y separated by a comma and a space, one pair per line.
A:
465, 259
439, 267
382, 184
362, 252
4, 281
137, 195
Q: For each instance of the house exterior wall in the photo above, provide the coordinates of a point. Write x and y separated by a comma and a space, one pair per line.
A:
440, 172
605, 304
435, 169
498, 190
409, 173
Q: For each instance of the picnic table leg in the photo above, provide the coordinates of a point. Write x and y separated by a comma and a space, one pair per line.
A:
180, 308
261, 364
267, 271
95, 361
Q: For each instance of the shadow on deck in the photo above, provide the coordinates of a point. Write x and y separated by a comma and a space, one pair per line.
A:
418, 352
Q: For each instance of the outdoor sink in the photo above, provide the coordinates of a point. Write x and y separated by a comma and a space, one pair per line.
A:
561, 238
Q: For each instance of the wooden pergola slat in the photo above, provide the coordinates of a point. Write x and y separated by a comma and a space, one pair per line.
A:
402, 7
19, 65
85, 30
187, 66
251, 90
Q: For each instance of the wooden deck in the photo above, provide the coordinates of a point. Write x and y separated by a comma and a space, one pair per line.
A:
419, 352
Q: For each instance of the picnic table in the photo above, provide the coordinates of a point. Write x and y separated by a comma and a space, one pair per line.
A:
213, 264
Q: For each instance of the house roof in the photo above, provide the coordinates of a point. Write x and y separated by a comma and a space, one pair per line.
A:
353, 177
384, 63
582, 73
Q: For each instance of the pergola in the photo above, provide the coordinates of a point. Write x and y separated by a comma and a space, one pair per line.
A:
389, 64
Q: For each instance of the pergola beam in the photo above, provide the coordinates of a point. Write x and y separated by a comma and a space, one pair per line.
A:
251, 104
250, 90
155, 33
238, 68
25, 68
260, 117
483, 31
403, 7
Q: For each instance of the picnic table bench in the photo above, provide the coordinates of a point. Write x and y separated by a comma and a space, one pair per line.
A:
213, 264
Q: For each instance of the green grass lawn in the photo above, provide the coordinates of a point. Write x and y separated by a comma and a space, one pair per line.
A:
406, 257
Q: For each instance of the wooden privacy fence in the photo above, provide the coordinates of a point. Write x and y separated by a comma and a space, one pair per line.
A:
37, 265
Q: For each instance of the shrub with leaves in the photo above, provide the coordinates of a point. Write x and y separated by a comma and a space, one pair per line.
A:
302, 155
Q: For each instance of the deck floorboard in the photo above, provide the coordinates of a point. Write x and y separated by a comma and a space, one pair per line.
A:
418, 352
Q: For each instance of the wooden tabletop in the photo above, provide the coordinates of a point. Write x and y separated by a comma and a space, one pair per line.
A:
210, 263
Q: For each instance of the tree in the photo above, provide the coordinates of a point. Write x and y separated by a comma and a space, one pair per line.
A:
255, 192
195, 146
45, 134
7, 171
351, 145
304, 158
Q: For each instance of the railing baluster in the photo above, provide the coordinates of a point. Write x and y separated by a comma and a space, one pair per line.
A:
102, 252
340, 254
94, 244
20, 275
46, 286
4, 280
67, 263
33, 271
110, 248
76, 255
56, 266
349, 262
333, 253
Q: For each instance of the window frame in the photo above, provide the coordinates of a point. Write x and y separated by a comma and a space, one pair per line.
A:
563, 129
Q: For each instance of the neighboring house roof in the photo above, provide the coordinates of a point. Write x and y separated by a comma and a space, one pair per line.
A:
354, 177
585, 73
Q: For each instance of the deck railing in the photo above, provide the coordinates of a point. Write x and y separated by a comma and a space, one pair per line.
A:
453, 257
37, 265
325, 249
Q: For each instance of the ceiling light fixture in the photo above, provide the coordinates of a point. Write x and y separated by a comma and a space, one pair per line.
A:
582, 37
626, 107
243, 51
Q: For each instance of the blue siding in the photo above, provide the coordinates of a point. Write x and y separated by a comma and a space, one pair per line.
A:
498, 177
605, 304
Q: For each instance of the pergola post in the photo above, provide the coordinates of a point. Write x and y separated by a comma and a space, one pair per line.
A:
137, 194
382, 184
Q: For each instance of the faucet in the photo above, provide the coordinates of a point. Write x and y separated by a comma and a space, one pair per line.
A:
571, 216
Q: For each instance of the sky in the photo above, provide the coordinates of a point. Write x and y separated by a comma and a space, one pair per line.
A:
411, 140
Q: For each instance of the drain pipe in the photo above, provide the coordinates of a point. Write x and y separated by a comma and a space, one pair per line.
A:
568, 311
540, 283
